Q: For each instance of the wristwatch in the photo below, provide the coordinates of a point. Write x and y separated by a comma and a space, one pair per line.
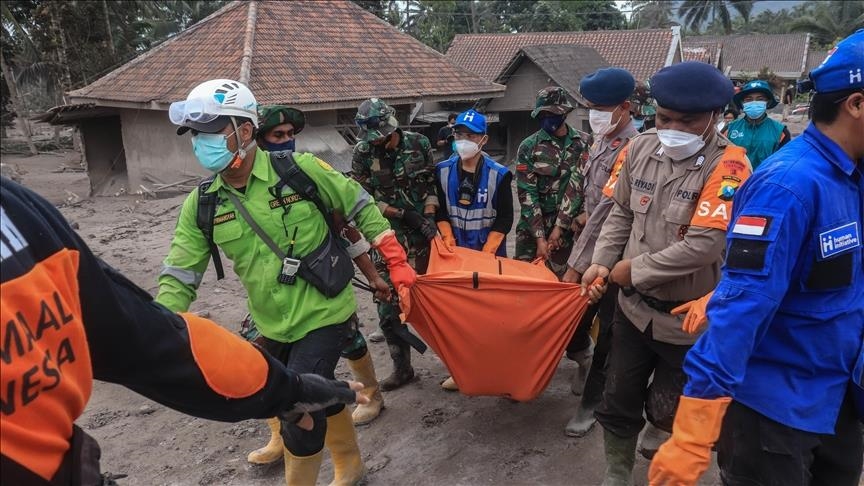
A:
400, 213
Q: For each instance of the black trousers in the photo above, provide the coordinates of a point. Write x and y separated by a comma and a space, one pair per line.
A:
604, 310
629, 388
318, 352
755, 450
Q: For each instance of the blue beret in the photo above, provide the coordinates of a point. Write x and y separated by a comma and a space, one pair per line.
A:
691, 87
843, 68
607, 86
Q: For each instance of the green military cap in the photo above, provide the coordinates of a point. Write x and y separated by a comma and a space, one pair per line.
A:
274, 115
554, 100
376, 119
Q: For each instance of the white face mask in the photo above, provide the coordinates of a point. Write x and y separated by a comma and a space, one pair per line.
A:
680, 145
467, 149
601, 121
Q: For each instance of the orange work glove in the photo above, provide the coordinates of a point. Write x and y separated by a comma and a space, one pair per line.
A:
401, 274
697, 315
493, 241
447, 234
687, 454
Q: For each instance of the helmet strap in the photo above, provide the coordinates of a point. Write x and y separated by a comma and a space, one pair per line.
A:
240, 155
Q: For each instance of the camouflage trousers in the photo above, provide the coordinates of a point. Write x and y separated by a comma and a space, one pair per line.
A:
526, 245
418, 257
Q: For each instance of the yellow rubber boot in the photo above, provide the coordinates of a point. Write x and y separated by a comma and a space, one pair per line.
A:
341, 439
302, 471
364, 372
450, 384
271, 452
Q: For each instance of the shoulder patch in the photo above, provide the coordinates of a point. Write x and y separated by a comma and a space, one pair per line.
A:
715, 203
609, 188
521, 167
751, 225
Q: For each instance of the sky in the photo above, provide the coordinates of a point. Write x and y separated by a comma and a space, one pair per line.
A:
758, 6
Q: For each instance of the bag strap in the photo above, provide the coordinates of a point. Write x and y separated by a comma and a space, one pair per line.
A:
255, 226
291, 175
207, 203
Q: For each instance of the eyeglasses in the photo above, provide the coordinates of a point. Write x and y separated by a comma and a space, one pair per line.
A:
370, 123
841, 100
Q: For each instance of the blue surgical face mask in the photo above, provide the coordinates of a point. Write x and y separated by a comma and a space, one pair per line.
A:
211, 150
278, 147
755, 109
638, 123
551, 123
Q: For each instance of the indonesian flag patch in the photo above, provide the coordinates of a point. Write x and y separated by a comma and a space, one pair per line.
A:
751, 225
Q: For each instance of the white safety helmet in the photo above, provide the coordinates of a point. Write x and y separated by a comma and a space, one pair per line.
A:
211, 100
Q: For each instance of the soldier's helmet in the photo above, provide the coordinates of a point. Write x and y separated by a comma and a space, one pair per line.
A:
376, 119
552, 99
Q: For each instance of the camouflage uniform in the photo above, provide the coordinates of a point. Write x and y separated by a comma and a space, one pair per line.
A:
403, 178
544, 165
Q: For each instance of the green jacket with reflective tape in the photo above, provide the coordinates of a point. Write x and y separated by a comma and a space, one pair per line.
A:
284, 313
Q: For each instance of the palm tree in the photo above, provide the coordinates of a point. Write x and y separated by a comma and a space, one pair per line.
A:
13, 33
829, 22
697, 12
650, 14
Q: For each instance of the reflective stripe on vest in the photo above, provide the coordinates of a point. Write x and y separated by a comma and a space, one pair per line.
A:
471, 224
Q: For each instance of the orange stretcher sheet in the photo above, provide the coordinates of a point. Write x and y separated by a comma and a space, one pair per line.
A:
500, 325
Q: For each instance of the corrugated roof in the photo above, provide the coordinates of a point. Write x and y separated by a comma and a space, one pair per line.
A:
783, 54
305, 53
642, 52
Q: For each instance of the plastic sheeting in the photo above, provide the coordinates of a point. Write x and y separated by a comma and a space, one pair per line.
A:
500, 325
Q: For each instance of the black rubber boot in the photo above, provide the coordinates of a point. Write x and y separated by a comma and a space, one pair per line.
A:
403, 372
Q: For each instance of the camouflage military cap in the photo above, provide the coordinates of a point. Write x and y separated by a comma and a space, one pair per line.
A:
376, 119
274, 115
552, 99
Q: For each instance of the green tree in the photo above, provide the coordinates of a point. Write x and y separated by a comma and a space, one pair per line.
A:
697, 13
831, 21
651, 14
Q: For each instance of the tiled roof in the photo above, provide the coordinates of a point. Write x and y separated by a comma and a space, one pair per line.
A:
701, 50
566, 64
642, 52
814, 59
783, 54
305, 53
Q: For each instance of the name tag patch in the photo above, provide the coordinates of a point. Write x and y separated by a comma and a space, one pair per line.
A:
751, 225
224, 218
285, 201
839, 239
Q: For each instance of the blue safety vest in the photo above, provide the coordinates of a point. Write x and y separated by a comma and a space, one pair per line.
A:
472, 223
786, 322
760, 140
